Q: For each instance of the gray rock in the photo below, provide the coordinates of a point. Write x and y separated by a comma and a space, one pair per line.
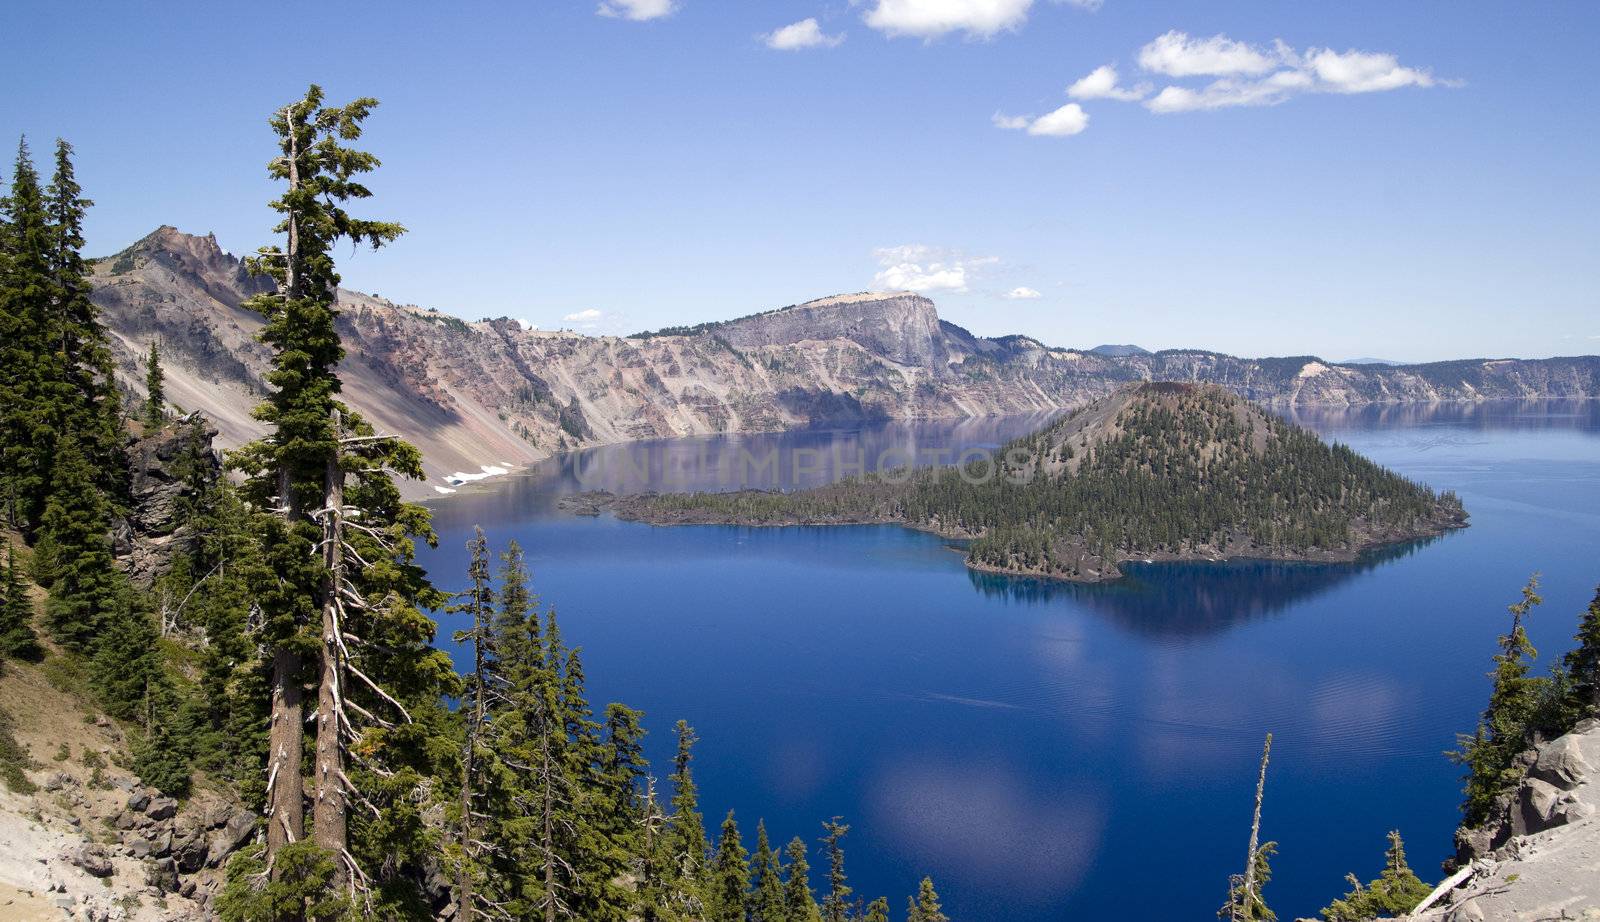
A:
239, 829
162, 874
1535, 809
162, 808
191, 854
1561, 763
139, 848
92, 859
138, 801
65, 901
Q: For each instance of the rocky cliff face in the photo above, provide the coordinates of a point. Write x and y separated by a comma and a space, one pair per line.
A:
492, 395
1540, 859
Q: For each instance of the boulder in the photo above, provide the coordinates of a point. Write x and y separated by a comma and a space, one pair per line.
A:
191, 854
138, 801
241, 826
162, 808
1541, 805
1561, 763
93, 860
162, 874
139, 847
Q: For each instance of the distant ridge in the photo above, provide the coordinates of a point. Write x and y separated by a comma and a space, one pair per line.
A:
479, 397
1391, 363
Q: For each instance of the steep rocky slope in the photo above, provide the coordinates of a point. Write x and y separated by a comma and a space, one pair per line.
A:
1543, 861
480, 397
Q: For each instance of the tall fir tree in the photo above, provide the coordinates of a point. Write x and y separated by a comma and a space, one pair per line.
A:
836, 905
730, 876
346, 613
800, 905
1582, 665
92, 403
17, 637
483, 683
877, 910
766, 902
924, 907
1490, 753
155, 401
74, 555
30, 402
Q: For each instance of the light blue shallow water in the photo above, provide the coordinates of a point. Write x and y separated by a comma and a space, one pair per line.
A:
1045, 750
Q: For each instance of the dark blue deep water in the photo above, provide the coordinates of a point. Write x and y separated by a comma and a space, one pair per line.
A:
1051, 751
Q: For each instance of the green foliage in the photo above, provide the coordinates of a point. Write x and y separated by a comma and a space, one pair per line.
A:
925, 906
300, 889
836, 905
799, 903
1582, 668
1252, 907
1175, 468
74, 554
155, 402
14, 759
17, 638
877, 910
1396, 891
730, 876
766, 900
1504, 729
160, 760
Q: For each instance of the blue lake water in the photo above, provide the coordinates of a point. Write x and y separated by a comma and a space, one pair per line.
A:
1046, 750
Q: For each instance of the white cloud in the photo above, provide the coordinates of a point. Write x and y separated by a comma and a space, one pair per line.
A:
1022, 293
930, 19
923, 269
1177, 55
1068, 120
584, 316
1101, 83
1255, 76
1362, 72
803, 34
637, 10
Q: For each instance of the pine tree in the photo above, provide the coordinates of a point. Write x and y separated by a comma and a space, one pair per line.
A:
1490, 753
1251, 908
798, 902
730, 876
30, 402
684, 844
91, 404
877, 910
17, 638
836, 905
1582, 666
74, 553
484, 682
1396, 891
766, 901
155, 403
347, 611
925, 907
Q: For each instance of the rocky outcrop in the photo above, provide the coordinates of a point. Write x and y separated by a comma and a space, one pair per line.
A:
165, 468
492, 395
1540, 857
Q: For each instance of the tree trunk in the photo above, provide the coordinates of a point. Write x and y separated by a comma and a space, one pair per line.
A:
1255, 835
330, 816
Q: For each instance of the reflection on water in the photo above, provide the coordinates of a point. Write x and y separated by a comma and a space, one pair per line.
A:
1035, 746
1193, 598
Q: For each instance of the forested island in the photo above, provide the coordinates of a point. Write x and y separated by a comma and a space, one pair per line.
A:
1156, 471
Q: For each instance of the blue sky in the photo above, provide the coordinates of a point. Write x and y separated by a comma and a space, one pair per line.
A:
665, 164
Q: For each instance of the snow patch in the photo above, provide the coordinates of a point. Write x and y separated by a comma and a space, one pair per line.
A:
488, 470
445, 490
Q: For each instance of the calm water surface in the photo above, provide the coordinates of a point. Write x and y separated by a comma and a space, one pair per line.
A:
1045, 750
